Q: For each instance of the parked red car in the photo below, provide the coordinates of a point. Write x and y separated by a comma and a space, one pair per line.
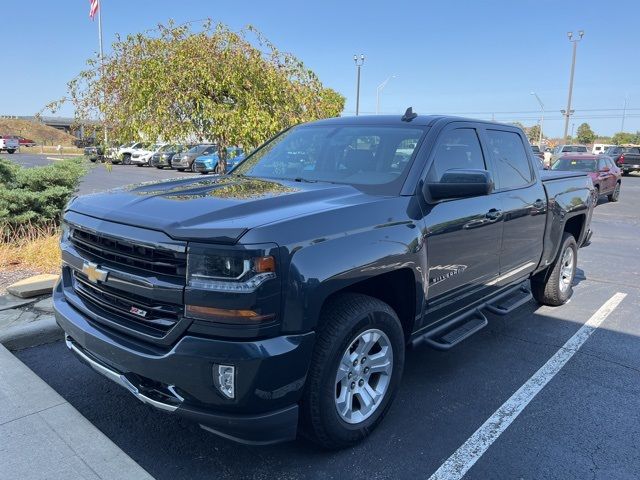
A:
24, 142
606, 176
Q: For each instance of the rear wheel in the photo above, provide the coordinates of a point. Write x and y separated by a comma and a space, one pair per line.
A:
613, 196
355, 370
126, 159
554, 285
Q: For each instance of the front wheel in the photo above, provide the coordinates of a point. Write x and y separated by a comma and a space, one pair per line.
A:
355, 370
126, 159
613, 196
554, 285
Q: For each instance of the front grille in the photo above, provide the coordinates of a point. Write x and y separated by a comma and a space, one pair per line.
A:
158, 317
124, 253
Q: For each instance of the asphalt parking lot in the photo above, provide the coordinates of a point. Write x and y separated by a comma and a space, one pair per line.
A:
582, 424
99, 178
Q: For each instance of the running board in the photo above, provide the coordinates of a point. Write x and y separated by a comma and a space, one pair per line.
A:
455, 331
509, 301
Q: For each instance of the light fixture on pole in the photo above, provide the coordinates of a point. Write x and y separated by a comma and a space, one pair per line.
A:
359, 61
379, 91
541, 118
573, 67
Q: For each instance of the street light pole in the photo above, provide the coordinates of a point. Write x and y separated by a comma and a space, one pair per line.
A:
359, 62
541, 118
573, 67
624, 112
379, 91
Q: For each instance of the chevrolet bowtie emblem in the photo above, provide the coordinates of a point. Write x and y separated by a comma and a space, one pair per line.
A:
94, 273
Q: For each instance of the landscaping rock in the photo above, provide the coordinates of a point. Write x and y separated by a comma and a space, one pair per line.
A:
45, 305
33, 286
9, 301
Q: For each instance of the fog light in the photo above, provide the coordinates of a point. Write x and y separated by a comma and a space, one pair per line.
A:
224, 377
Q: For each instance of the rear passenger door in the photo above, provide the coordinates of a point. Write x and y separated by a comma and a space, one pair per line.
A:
522, 199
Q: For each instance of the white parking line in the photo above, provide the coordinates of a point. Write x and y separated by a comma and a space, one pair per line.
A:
470, 452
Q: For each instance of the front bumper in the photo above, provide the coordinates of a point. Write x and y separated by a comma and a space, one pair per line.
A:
271, 374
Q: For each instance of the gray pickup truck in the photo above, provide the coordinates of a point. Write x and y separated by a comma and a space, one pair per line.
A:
279, 299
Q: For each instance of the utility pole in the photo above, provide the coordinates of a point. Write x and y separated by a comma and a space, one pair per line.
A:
104, 96
379, 91
359, 62
573, 67
541, 118
624, 112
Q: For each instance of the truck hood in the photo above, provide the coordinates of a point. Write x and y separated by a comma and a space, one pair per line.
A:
216, 209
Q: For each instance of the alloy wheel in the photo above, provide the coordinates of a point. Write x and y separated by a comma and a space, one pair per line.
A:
567, 269
363, 376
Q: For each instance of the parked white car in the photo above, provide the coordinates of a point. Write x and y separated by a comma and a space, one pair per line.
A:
143, 155
600, 148
9, 144
125, 152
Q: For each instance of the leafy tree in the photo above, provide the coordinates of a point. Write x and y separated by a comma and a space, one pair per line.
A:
585, 134
625, 137
176, 84
518, 124
533, 133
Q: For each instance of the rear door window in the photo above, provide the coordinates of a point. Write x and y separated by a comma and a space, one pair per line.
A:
510, 159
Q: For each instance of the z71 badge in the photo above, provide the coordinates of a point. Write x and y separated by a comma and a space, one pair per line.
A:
138, 311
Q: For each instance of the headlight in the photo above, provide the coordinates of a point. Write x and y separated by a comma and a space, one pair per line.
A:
64, 232
239, 272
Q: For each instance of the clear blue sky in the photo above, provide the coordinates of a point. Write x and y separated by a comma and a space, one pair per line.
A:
468, 57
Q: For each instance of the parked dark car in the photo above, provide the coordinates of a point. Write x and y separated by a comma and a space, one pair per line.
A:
626, 158
537, 152
282, 296
163, 159
605, 175
186, 160
94, 154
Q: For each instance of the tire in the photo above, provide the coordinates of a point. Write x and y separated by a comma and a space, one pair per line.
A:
343, 321
553, 286
596, 196
613, 196
126, 159
10, 151
192, 168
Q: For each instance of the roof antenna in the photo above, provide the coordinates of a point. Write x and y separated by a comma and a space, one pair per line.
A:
409, 115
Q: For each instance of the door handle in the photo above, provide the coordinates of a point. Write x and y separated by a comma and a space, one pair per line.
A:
538, 204
493, 214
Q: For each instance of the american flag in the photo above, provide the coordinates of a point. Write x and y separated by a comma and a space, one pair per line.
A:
93, 9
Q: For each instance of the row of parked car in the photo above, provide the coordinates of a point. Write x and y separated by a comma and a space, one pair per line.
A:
201, 157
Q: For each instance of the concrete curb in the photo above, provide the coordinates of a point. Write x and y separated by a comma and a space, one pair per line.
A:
27, 335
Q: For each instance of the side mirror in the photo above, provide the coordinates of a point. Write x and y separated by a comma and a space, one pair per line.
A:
605, 169
460, 184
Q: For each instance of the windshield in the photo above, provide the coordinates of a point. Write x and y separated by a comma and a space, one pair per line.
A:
198, 148
612, 150
355, 155
575, 164
574, 148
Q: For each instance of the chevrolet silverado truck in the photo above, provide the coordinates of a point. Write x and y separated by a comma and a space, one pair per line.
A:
279, 300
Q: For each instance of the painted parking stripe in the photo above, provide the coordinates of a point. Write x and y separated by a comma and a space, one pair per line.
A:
470, 452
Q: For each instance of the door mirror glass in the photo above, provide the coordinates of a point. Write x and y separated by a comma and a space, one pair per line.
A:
460, 183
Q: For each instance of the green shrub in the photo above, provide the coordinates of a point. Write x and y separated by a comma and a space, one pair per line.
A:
36, 196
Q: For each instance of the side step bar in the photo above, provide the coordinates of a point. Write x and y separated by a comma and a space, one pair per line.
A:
509, 301
462, 327
454, 331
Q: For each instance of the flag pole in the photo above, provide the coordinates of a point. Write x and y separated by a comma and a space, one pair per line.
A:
106, 138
